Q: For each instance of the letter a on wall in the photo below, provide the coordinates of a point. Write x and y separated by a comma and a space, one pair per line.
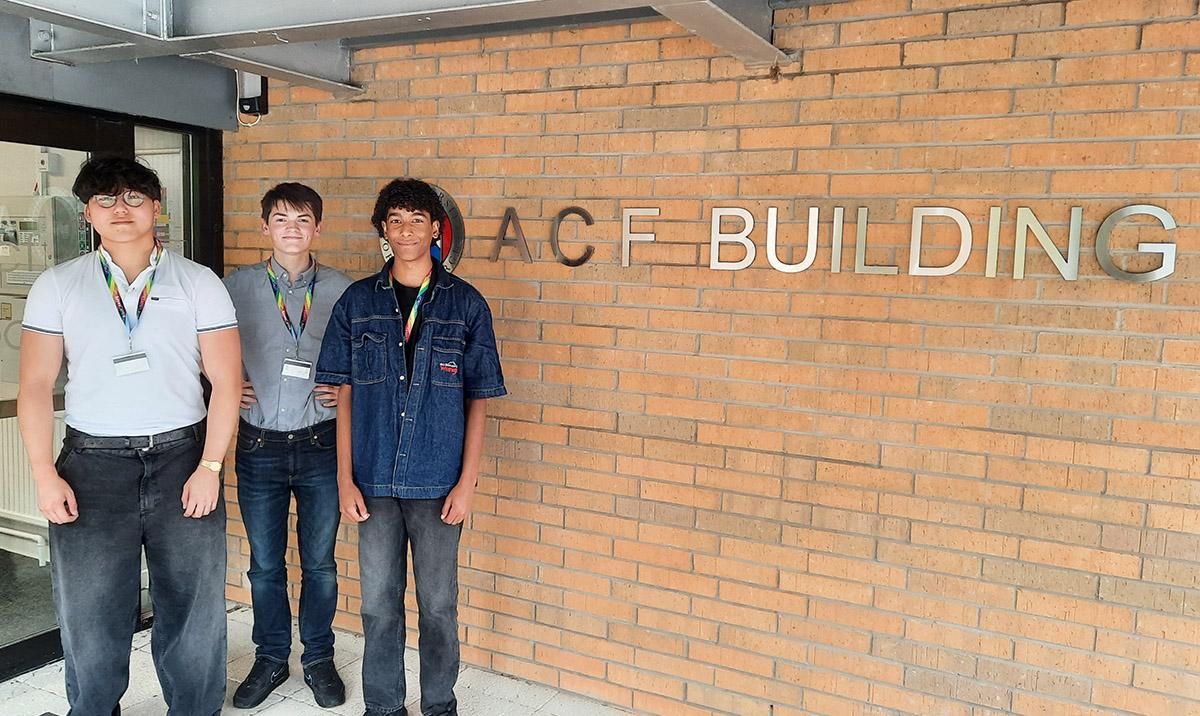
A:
502, 240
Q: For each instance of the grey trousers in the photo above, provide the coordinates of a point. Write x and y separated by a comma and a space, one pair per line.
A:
383, 542
129, 499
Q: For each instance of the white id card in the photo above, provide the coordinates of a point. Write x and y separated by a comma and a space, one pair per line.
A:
293, 368
130, 363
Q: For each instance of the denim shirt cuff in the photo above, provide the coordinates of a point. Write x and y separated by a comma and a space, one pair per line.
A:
327, 378
483, 393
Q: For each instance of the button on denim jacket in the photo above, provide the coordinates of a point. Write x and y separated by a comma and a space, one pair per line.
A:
408, 439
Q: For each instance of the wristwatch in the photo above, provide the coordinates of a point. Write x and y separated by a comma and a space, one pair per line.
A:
214, 465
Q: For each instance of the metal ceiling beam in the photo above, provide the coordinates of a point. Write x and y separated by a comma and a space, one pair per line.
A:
304, 43
324, 65
311, 64
740, 27
215, 25
120, 19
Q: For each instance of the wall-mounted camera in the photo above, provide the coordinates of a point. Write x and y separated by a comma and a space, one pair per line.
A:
252, 94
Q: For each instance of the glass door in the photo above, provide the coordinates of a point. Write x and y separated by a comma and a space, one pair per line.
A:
42, 146
41, 224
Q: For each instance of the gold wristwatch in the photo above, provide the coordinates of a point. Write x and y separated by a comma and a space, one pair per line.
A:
214, 465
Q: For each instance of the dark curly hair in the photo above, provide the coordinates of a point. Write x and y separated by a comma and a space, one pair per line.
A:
108, 174
410, 195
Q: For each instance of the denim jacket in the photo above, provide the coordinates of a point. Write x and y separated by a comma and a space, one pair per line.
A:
408, 439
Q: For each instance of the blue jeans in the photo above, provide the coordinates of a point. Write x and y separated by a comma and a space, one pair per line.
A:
271, 467
129, 499
383, 542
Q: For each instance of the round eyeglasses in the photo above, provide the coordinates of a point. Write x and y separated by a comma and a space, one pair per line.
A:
131, 198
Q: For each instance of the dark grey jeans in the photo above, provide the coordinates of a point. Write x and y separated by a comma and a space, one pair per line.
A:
130, 499
383, 542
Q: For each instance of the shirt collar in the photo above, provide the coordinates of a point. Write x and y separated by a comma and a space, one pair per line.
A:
440, 276
301, 278
156, 257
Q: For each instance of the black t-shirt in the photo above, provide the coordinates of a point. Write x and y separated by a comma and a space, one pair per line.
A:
405, 297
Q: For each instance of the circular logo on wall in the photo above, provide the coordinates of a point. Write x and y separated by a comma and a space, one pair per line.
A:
452, 239
449, 247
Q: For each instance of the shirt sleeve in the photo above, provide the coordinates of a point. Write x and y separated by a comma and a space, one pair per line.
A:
43, 307
333, 365
214, 309
482, 377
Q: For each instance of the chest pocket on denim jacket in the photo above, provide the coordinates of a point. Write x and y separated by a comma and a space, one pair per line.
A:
369, 354
447, 344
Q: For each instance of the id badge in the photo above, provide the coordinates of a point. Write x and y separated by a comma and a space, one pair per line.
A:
294, 368
130, 363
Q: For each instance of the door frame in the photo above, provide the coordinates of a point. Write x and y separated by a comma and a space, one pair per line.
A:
40, 122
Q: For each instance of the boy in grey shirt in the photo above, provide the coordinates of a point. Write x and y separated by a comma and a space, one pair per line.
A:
287, 445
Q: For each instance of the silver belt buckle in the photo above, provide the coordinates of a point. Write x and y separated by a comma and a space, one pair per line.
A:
150, 440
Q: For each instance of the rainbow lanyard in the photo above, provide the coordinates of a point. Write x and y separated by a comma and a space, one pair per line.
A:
411, 323
308, 298
130, 321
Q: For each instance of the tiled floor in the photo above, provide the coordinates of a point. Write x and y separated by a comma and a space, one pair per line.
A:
479, 692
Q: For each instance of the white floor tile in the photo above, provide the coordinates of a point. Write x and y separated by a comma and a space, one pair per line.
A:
288, 707
565, 704
48, 678
480, 693
153, 706
34, 702
11, 690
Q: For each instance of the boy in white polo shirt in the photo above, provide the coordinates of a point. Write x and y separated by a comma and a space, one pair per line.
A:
139, 466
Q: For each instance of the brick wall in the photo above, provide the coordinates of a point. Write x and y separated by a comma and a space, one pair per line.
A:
758, 492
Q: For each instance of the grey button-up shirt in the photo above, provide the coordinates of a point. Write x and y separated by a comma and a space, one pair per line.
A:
284, 403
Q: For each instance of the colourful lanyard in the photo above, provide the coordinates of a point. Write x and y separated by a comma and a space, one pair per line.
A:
130, 322
412, 315
308, 298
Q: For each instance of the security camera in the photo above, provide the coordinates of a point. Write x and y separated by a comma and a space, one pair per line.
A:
252, 94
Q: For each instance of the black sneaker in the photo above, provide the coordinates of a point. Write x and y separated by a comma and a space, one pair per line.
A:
327, 687
264, 676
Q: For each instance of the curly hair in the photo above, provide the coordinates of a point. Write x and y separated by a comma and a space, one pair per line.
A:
108, 174
407, 194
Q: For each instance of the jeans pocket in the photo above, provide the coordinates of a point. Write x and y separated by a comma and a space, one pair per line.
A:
326, 440
65, 456
369, 358
247, 444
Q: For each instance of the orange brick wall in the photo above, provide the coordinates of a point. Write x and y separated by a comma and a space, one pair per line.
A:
754, 492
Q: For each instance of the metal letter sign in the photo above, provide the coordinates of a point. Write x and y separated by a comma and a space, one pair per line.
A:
502, 240
1026, 222
558, 254
1167, 251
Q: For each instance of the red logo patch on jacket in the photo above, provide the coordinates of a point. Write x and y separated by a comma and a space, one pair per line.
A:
451, 368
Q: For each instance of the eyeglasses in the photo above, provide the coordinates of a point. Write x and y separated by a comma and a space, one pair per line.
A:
131, 198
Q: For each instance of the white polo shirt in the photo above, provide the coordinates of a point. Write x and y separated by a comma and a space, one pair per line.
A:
72, 300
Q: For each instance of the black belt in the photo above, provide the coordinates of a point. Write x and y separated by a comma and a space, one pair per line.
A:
286, 436
100, 442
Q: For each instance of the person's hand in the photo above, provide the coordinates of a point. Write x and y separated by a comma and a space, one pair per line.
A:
55, 498
327, 395
354, 508
200, 493
248, 396
458, 503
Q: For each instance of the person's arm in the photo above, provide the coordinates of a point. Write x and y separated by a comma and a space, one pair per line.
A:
353, 507
41, 358
334, 367
458, 503
221, 355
